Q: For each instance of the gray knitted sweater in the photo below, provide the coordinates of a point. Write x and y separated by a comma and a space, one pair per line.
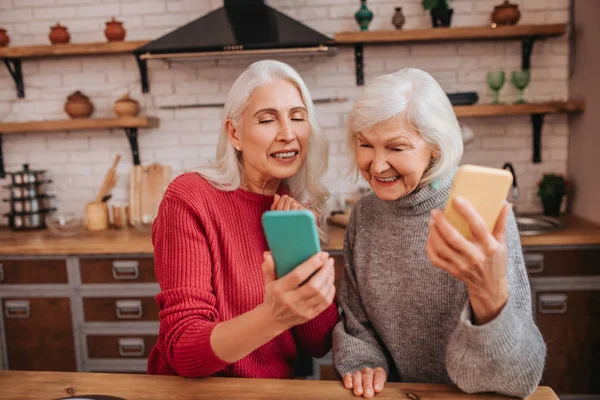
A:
401, 313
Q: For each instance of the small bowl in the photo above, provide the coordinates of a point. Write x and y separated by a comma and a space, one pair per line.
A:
64, 224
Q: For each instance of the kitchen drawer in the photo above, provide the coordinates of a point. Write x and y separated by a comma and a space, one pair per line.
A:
572, 262
120, 309
117, 270
14, 271
120, 346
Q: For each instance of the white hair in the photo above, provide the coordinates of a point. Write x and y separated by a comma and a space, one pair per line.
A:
417, 96
226, 173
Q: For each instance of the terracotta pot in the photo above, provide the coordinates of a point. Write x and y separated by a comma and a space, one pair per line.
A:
126, 107
59, 34
114, 30
4, 39
506, 14
78, 105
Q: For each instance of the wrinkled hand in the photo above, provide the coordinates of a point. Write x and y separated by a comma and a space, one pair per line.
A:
366, 382
290, 304
285, 202
480, 262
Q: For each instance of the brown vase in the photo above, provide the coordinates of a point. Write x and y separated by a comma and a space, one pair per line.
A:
114, 30
78, 105
4, 39
398, 18
506, 14
59, 34
126, 107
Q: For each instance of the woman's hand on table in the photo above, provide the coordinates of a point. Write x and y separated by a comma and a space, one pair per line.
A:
480, 262
367, 382
288, 303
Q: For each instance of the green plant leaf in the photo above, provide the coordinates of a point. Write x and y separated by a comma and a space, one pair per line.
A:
430, 4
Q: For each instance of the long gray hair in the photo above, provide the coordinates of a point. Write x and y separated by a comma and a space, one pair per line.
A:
226, 173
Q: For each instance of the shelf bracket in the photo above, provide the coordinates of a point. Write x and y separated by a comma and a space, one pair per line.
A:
526, 48
132, 136
14, 68
358, 62
143, 67
2, 173
538, 121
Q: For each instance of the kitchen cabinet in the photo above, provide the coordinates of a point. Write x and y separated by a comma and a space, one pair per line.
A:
39, 334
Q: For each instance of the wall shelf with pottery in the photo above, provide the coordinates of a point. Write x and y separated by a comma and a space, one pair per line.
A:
129, 124
526, 33
12, 56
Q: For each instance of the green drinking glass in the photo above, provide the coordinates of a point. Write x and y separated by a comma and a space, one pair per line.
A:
495, 80
521, 79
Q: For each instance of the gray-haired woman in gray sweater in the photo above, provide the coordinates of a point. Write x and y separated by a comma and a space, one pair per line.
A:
420, 302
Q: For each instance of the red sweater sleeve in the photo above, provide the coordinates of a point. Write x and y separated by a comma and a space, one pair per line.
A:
315, 336
183, 267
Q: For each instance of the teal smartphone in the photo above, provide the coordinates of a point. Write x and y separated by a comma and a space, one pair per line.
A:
292, 237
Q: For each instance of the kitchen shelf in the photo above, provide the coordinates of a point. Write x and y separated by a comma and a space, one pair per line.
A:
12, 56
129, 124
526, 33
535, 110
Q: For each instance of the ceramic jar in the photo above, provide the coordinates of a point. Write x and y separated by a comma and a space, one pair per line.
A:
126, 107
506, 14
79, 105
114, 30
398, 18
59, 34
4, 39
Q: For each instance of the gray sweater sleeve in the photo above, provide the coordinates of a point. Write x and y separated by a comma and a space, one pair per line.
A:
507, 354
354, 340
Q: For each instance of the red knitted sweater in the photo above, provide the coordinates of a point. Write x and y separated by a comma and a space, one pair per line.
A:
208, 252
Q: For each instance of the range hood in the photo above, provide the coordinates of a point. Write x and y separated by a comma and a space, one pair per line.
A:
241, 27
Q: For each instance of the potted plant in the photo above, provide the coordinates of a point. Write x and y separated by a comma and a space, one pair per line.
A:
441, 14
551, 190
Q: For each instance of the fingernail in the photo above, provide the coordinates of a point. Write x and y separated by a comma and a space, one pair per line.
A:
323, 256
459, 200
369, 392
377, 387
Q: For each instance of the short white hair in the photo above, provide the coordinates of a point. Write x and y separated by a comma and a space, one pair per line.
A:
227, 172
418, 97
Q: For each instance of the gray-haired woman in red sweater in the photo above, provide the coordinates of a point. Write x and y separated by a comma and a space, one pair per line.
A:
223, 312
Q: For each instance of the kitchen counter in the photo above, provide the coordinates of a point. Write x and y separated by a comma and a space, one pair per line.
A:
54, 385
577, 231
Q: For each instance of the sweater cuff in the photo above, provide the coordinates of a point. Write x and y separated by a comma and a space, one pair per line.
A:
193, 354
496, 337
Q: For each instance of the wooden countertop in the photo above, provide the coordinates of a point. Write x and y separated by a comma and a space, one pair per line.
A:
577, 231
54, 385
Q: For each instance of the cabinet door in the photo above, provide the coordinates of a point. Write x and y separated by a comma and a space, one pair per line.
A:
39, 334
570, 324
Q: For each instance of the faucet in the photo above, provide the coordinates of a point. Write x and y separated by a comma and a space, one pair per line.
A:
515, 188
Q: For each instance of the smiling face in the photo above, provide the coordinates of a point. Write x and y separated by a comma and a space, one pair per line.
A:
272, 134
392, 158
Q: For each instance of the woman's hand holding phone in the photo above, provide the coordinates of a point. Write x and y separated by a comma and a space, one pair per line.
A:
290, 304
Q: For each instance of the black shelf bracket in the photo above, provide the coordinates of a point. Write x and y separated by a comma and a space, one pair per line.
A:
359, 63
526, 48
2, 173
143, 67
132, 136
537, 121
14, 68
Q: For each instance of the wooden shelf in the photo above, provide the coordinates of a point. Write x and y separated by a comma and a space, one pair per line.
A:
491, 110
449, 34
130, 125
74, 49
78, 124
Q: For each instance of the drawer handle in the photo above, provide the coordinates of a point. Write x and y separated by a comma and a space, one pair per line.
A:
553, 303
129, 309
131, 347
1, 272
17, 309
534, 262
125, 270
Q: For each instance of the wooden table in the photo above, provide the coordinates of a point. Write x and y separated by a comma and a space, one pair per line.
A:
53, 385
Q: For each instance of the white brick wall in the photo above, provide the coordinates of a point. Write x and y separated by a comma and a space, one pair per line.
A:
185, 138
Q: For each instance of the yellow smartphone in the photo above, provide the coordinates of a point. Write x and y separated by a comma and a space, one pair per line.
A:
485, 188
